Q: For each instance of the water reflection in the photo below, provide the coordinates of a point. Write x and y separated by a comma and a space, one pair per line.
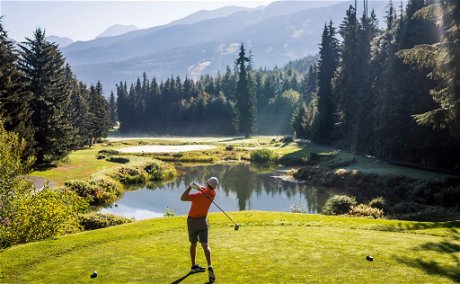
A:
243, 187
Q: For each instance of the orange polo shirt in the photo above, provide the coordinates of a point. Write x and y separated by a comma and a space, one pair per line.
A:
201, 201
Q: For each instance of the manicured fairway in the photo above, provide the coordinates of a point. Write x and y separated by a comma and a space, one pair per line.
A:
270, 247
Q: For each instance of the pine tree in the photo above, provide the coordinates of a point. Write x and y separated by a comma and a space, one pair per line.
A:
443, 59
15, 111
122, 106
329, 57
99, 107
43, 66
245, 96
112, 110
310, 83
77, 109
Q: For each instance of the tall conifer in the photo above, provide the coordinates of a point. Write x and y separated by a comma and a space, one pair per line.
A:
43, 66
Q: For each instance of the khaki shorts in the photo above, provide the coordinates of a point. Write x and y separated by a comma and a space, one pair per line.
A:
197, 229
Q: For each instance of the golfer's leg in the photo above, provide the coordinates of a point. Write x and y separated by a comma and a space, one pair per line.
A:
207, 252
193, 253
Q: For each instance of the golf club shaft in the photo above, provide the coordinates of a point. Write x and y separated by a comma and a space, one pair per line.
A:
223, 211
199, 188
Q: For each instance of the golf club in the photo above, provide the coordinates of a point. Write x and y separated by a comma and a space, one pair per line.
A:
198, 187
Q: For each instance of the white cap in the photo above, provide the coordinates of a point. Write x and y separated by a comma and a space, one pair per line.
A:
213, 182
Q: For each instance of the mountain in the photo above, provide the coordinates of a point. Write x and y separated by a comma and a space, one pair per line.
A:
275, 34
204, 15
61, 41
116, 30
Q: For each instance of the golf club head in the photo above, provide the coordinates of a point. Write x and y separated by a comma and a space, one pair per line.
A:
237, 227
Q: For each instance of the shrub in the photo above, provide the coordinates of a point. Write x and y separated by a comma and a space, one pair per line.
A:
43, 215
231, 157
93, 221
97, 191
168, 212
229, 147
338, 204
297, 207
378, 203
82, 188
287, 139
108, 152
448, 197
118, 159
263, 156
362, 210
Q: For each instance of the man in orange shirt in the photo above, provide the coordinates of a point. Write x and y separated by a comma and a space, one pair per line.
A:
197, 222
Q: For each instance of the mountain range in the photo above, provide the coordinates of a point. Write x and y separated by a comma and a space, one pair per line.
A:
116, 30
208, 41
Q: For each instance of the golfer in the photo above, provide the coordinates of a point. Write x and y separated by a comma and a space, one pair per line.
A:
197, 222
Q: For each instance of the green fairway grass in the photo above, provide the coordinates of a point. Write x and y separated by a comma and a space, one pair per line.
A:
270, 247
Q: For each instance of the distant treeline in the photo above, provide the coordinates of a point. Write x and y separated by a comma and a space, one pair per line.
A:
393, 93
208, 106
42, 101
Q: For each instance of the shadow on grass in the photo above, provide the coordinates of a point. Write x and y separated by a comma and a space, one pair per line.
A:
299, 157
453, 226
182, 278
449, 246
185, 276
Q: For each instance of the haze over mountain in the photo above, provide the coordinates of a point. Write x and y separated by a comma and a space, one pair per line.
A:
116, 30
61, 41
208, 41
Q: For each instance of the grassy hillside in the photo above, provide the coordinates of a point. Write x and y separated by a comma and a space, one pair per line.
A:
268, 248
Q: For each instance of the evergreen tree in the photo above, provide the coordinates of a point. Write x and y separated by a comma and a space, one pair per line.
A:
123, 107
112, 110
352, 81
245, 96
329, 57
43, 66
15, 109
443, 59
78, 109
99, 108
310, 83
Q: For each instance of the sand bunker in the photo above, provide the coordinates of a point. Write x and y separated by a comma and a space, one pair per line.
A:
165, 149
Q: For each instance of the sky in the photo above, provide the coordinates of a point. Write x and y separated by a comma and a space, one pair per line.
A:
84, 20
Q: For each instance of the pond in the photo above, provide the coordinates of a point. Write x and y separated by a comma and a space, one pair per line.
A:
242, 187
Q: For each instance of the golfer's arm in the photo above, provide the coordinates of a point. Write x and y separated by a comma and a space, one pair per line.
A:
184, 196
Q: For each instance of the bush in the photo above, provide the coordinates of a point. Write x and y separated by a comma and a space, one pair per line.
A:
108, 152
287, 139
43, 215
362, 210
338, 205
168, 212
263, 156
378, 203
448, 197
229, 147
118, 159
297, 207
93, 221
82, 188
97, 191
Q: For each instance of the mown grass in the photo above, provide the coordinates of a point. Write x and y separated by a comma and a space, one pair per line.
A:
269, 248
